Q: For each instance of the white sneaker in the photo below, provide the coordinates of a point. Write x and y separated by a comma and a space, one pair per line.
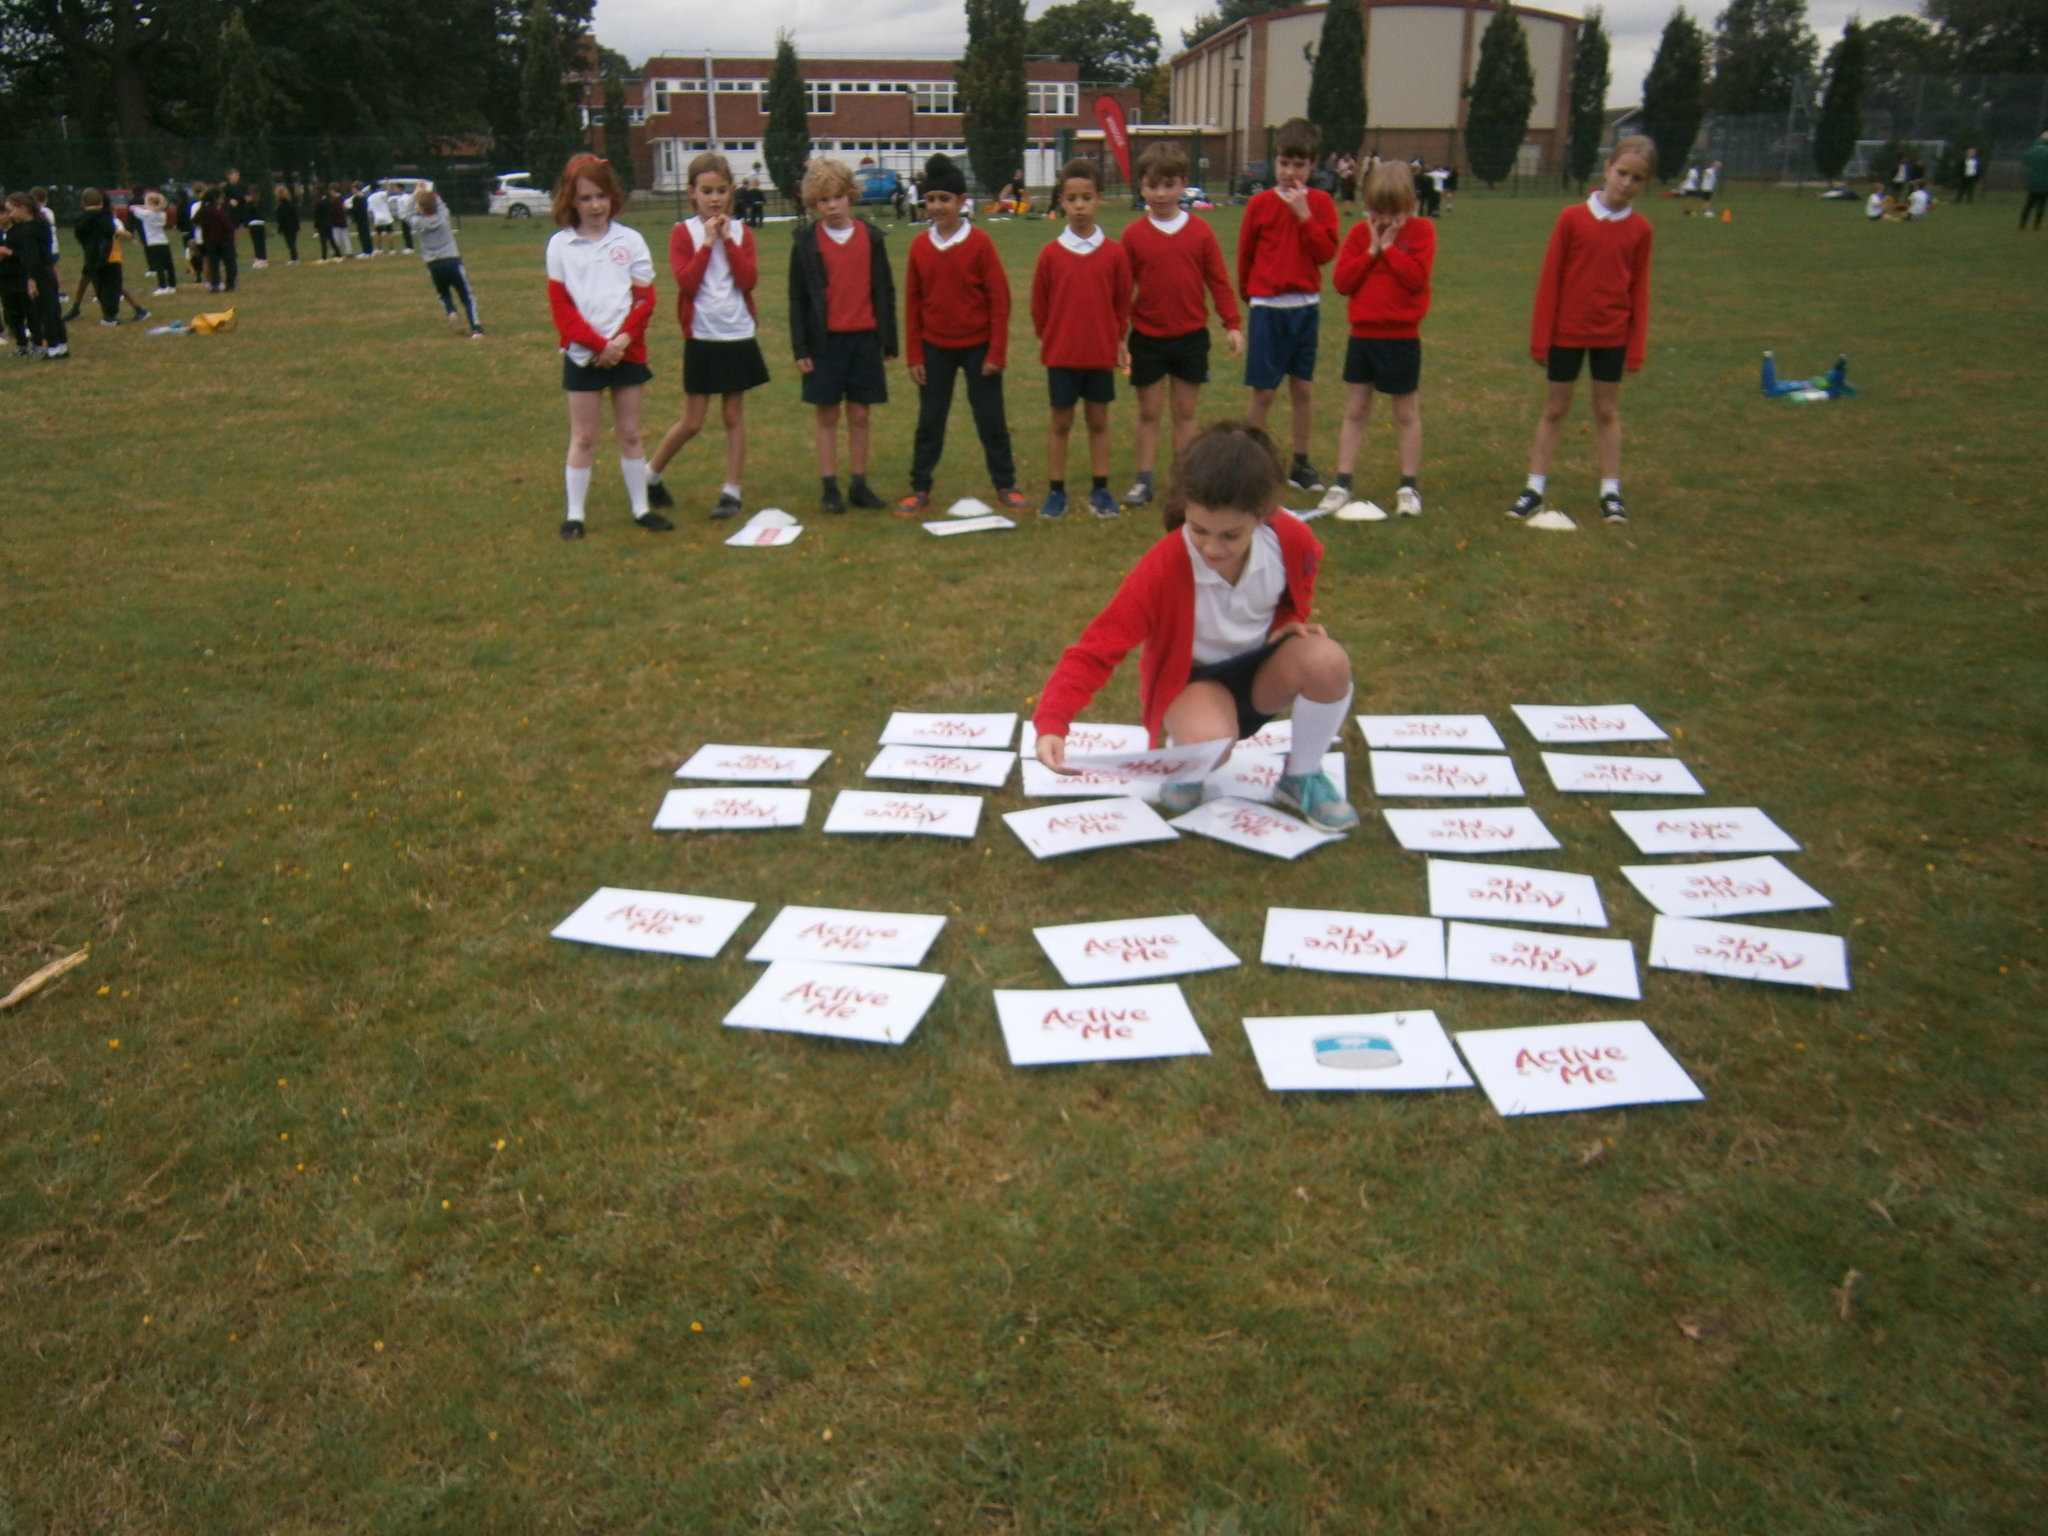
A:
1552, 521
1333, 499
1408, 502
259, 263
1361, 512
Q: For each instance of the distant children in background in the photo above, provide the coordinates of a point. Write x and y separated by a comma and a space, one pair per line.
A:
403, 205
1385, 268
956, 322
1221, 607
1919, 201
842, 324
195, 249
1174, 257
430, 221
717, 263
1289, 233
333, 228
1878, 206
2034, 166
101, 269
154, 219
1710, 181
1592, 306
217, 229
1972, 172
359, 212
28, 282
601, 294
56, 253
246, 204
285, 209
383, 224
1080, 307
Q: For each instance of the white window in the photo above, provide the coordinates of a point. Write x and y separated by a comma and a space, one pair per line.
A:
1051, 98
931, 96
661, 93
637, 116
818, 96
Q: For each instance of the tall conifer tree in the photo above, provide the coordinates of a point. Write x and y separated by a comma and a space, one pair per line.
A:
1675, 92
991, 88
1841, 110
1503, 93
786, 146
1591, 80
1336, 88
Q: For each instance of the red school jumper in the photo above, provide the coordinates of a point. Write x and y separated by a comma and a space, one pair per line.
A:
849, 284
1390, 291
1171, 271
690, 261
1278, 253
1081, 305
958, 297
1155, 608
1595, 287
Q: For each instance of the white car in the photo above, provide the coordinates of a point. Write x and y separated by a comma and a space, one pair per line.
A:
516, 197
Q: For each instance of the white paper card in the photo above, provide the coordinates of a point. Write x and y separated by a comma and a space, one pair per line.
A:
1555, 1067
1356, 943
847, 1002
1163, 765
866, 810
1555, 962
994, 522
715, 810
1273, 736
909, 729
1786, 955
1555, 723
1582, 773
1728, 888
753, 765
1444, 733
855, 938
1098, 1024
1132, 949
1051, 830
1041, 783
1356, 1051
1443, 775
1257, 827
660, 921
764, 536
1514, 892
1725, 829
1510, 829
1083, 736
1254, 775
943, 765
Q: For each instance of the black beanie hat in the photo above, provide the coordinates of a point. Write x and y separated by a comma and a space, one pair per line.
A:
942, 175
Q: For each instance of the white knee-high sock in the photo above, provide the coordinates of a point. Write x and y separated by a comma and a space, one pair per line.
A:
1315, 727
635, 471
579, 490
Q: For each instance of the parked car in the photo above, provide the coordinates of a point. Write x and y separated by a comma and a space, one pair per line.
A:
514, 196
879, 186
1258, 175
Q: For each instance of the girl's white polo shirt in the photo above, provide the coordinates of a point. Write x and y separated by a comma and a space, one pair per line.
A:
600, 276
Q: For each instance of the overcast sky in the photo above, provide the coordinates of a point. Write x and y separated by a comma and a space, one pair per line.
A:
937, 28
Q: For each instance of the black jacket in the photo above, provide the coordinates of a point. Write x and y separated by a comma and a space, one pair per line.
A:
95, 231
807, 309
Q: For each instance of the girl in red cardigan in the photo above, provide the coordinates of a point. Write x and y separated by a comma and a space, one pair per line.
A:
716, 263
1385, 268
1221, 606
601, 292
1592, 304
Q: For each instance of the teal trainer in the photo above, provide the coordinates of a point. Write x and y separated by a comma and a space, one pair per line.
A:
1179, 799
1317, 801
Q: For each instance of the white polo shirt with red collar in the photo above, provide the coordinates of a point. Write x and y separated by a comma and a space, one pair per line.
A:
597, 278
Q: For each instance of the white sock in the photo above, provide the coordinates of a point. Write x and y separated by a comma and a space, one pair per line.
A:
731, 488
1610, 487
1315, 727
635, 471
1537, 482
653, 474
579, 491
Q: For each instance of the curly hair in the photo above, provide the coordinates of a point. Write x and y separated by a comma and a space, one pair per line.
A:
1230, 466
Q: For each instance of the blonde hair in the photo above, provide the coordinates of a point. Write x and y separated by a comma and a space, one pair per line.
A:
710, 160
1390, 188
1636, 144
826, 178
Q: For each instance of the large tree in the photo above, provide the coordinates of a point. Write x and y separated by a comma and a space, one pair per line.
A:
1999, 37
1336, 87
786, 146
991, 90
1841, 109
1503, 92
547, 102
1762, 50
242, 115
1209, 23
1110, 39
618, 123
1675, 92
1592, 78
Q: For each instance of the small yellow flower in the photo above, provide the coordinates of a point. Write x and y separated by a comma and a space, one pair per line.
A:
536, 1269
494, 1434
378, 1346
105, 990
745, 1381
828, 1436
284, 1135
498, 1145
147, 1319
113, 1045
280, 1082
444, 1205
694, 1327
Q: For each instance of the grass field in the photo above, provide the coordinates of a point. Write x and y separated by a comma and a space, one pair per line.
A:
336, 1196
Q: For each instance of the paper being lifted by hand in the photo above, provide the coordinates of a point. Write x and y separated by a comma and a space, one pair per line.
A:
1166, 765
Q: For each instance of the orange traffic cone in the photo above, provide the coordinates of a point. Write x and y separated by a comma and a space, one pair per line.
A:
1727, 215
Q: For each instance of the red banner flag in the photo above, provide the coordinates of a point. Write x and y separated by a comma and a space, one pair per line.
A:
1111, 116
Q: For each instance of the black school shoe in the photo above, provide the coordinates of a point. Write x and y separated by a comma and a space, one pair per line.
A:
832, 502
860, 496
1303, 477
658, 496
654, 522
572, 527
728, 506
1525, 504
1612, 510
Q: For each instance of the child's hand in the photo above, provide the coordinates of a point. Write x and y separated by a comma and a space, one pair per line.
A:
1297, 627
917, 374
1052, 751
1295, 198
715, 228
990, 368
804, 365
613, 351
1123, 356
1236, 340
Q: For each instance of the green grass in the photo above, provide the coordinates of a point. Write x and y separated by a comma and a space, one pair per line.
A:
390, 1213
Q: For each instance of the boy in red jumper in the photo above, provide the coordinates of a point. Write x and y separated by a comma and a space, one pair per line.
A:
842, 324
1289, 232
1593, 298
1385, 267
956, 320
1173, 256
1080, 304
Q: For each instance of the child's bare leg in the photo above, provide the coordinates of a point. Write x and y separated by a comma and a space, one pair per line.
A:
735, 437
1301, 394
1060, 423
1151, 409
626, 419
1607, 429
1312, 674
1261, 405
586, 417
1098, 436
677, 437
1357, 412
1556, 405
1187, 399
1203, 712
1407, 411
826, 436
857, 436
